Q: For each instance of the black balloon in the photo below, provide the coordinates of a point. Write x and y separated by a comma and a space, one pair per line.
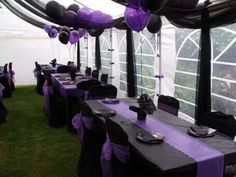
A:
73, 7
154, 24
95, 32
155, 5
54, 10
63, 37
120, 23
65, 29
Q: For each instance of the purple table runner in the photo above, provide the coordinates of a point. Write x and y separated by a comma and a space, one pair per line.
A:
210, 162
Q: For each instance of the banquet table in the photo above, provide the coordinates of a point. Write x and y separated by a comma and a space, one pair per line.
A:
165, 159
48, 69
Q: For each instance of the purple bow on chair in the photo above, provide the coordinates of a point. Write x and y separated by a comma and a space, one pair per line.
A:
36, 73
121, 152
1, 90
80, 122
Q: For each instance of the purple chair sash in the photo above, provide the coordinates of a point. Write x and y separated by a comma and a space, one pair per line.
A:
36, 73
121, 153
210, 162
80, 122
1, 90
168, 108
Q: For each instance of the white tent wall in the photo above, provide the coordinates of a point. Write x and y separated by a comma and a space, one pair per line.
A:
168, 60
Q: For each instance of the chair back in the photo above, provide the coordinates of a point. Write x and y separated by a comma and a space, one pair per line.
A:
115, 152
87, 84
92, 138
223, 123
5, 69
88, 71
168, 104
102, 91
63, 69
10, 66
116, 134
104, 78
95, 74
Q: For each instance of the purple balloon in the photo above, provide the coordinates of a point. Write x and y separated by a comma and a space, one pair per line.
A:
82, 32
136, 17
100, 20
69, 18
74, 37
53, 33
83, 17
47, 28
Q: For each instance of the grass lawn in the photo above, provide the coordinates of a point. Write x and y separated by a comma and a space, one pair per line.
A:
28, 146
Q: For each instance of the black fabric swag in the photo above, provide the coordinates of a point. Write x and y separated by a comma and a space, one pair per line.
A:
130, 60
97, 54
203, 90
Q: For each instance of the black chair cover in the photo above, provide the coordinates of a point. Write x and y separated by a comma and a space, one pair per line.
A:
88, 71
103, 91
63, 69
104, 78
225, 124
172, 104
7, 92
117, 136
95, 74
57, 111
40, 79
87, 84
89, 160
3, 112
12, 75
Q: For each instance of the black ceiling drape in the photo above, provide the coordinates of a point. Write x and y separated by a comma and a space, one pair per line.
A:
221, 12
21, 15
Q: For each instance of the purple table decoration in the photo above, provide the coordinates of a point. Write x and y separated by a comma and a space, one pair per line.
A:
121, 153
210, 162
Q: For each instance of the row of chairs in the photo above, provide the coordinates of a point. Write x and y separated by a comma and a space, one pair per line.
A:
7, 80
97, 143
7, 87
95, 74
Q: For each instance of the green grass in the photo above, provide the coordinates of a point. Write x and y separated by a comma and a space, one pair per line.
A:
28, 146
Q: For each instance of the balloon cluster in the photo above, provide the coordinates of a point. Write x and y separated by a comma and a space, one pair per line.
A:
74, 20
138, 15
65, 33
